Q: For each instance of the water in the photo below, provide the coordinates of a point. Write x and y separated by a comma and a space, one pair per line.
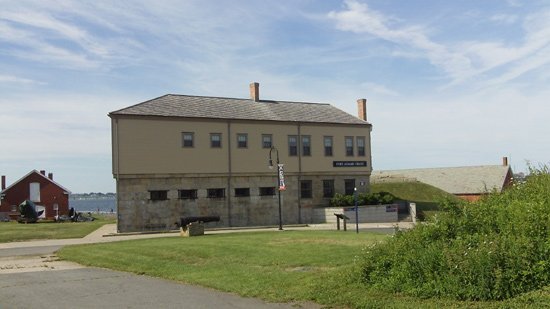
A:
93, 205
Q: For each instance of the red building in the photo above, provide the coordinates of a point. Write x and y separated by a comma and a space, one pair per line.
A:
40, 189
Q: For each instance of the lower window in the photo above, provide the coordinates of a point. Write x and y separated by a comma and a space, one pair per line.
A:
306, 189
216, 193
267, 191
328, 188
349, 186
188, 194
239, 192
158, 195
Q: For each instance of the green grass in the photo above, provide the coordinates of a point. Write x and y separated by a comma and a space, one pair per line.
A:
284, 266
426, 197
13, 231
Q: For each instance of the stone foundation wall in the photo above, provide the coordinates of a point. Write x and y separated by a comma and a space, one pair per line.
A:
137, 212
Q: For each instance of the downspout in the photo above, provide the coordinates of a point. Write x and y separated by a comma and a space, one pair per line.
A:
117, 174
299, 174
229, 173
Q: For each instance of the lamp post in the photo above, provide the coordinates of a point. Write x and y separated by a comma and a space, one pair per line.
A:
280, 184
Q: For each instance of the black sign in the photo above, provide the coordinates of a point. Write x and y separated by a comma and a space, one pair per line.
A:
349, 163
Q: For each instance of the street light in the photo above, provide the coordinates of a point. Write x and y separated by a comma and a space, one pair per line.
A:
279, 185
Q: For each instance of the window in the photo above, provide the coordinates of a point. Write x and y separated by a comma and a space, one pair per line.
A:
328, 146
158, 195
34, 191
242, 140
215, 193
267, 140
187, 194
292, 145
242, 192
328, 188
306, 145
13, 208
349, 146
187, 139
306, 189
267, 191
349, 186
215, 140
361, 146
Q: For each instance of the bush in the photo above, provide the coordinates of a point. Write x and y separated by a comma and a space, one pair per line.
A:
494, 249
379, 198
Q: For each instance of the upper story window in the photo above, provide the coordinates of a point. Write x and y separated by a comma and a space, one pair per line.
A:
34, 191
361, 146
306, 145
187, 139
215, 140
242, 140
292, 145
158, 195
328, 146
349, 146
267, 140
190, 194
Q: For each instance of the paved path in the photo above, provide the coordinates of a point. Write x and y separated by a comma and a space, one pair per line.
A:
31, 276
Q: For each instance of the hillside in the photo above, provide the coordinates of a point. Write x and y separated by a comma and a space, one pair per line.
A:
426, 197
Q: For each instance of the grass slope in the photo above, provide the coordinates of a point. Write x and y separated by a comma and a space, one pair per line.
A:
426, 197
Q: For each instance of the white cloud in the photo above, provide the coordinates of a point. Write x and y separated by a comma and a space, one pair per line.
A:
460, 60
15, 79
504, 18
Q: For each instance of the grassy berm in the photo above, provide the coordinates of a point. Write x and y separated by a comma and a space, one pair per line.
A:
495, 249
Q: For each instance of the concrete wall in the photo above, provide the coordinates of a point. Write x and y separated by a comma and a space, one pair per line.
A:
366, 214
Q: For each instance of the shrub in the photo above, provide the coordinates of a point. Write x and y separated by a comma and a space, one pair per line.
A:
494, 249
379, 198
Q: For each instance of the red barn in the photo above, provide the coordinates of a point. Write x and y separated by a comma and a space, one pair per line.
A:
42, 190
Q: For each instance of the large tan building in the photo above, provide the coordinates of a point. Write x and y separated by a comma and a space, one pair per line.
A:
178, 155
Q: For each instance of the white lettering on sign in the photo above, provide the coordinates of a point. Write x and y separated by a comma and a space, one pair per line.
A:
282, 185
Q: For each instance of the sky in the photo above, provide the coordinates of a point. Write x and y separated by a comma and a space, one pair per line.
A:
448, 83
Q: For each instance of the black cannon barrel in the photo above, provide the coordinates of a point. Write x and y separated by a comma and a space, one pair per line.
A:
186, 220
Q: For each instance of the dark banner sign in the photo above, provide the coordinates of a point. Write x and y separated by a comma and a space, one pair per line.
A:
349, 163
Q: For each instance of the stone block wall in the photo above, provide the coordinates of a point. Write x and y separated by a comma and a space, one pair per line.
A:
137, 212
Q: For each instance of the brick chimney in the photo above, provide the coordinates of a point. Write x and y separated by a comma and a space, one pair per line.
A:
504, 161
3, 182
362, 109
43, 172
255, 92
50, 176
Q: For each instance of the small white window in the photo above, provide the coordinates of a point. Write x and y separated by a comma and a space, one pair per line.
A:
34, 191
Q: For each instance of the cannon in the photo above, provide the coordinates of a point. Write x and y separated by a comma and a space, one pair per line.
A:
194, 226
184, 221
28, 212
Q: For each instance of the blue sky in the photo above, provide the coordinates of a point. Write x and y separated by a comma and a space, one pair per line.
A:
448, 83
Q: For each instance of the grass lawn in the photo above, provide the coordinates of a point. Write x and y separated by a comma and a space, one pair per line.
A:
275, 266
13, 231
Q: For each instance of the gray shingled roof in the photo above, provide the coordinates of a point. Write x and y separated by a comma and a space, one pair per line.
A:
171, 105
455, 180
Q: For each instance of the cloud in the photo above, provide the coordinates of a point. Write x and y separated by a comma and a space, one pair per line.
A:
504, 18
379, 89
15, 79
461, 60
